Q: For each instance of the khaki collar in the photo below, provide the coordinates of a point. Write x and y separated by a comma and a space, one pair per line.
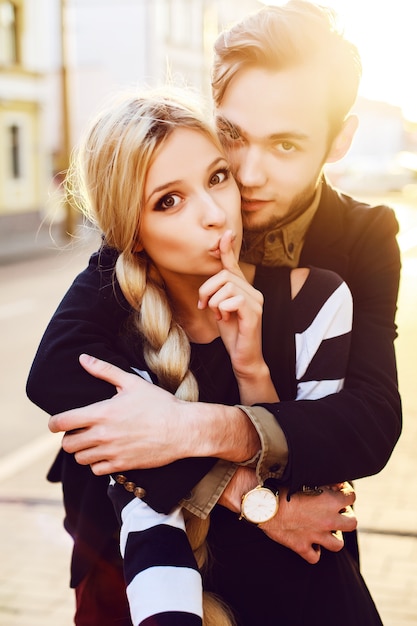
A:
281, 245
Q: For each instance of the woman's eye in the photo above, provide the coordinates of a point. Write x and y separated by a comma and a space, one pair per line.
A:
168, 202
219, 177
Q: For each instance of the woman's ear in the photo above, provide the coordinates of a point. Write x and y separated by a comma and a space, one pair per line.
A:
343, 140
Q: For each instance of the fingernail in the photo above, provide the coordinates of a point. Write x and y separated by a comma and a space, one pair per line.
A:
87, 358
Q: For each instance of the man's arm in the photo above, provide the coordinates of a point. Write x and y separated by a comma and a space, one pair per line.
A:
164, 429
300, 523
207, 429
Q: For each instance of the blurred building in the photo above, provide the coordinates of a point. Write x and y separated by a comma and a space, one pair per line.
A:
128, 43
29, 58
59, 59
375, 163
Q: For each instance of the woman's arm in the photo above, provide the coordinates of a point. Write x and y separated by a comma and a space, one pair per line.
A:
160, 569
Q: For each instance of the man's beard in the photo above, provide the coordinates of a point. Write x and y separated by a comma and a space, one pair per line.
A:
297, 207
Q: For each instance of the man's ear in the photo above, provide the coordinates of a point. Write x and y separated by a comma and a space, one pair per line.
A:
343, 140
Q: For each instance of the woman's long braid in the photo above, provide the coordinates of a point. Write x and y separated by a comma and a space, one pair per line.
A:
167, 354
166, 346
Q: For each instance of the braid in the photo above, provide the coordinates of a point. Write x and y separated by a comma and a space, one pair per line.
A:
166, 346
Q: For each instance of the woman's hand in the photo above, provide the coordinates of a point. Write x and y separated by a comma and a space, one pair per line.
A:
237, 307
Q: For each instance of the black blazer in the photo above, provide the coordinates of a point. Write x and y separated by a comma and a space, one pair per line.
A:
345, 436
352, 434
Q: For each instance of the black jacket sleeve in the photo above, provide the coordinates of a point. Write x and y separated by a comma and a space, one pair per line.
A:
88, 319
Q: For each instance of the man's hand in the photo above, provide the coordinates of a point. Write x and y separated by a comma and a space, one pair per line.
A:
114, 434
305, 522
144, 426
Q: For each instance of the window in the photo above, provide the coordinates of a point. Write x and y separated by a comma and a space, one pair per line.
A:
8, 33
15, 151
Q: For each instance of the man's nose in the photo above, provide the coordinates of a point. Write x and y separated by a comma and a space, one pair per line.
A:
250, 171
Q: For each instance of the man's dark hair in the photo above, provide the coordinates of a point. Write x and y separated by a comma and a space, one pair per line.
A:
277, 38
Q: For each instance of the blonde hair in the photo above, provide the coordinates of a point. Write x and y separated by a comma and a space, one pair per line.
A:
280, 37
106, 180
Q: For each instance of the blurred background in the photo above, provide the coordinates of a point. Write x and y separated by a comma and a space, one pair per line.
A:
59, 59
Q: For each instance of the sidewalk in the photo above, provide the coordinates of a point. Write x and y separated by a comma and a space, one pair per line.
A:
35, 549
28, 236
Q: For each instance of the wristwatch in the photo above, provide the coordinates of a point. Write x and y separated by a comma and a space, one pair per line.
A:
259, 505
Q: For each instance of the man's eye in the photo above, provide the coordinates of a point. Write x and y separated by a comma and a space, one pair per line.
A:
168, 202
219, 177
285, 146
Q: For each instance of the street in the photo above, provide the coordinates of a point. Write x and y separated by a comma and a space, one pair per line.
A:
386, 504
30, 293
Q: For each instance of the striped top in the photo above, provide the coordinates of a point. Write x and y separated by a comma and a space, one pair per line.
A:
164, 585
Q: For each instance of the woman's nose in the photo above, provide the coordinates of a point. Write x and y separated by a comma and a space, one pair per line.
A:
212, 213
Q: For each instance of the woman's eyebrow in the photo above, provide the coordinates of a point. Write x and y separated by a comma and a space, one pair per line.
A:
162, 188
178, 181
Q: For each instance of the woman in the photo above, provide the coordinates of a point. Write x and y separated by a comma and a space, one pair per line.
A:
153, 176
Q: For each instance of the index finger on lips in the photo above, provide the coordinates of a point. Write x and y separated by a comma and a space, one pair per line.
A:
227, 255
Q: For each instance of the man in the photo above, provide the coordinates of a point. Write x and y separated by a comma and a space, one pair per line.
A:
284, 82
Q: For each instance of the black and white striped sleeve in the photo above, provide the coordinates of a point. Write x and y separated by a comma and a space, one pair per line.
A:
323, 313
163, 583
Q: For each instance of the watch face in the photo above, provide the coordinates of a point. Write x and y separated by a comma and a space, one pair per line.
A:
259, 505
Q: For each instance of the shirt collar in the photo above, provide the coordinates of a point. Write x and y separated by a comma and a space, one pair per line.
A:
282, 244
